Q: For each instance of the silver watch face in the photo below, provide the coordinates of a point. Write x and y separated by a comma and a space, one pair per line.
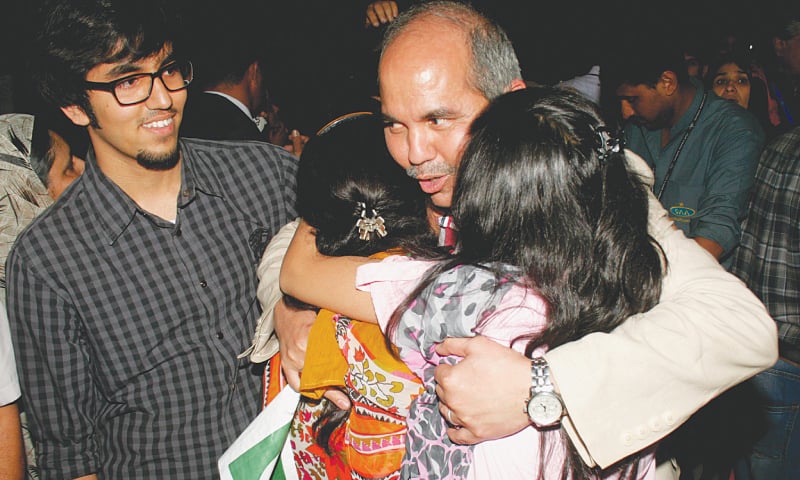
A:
545, 409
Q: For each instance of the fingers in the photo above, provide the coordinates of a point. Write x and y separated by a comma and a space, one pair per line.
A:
462, 436
455, 346
292, 377
339, 398
381, 12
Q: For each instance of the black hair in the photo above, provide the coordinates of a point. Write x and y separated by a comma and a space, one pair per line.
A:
642, 63
344, 172
78, 35
226, 38
538, 189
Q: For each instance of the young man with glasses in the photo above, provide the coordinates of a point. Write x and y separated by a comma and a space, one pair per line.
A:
131, 298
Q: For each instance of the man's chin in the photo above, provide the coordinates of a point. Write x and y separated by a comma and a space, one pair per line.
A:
441, 201
159, 161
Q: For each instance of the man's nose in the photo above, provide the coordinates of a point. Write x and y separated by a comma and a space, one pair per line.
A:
627, 110
420, 146
160, 97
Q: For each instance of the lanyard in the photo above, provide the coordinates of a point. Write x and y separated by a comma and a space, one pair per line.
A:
680, 146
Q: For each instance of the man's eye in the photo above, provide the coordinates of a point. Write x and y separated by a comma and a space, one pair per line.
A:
393, 127
744, 81
720, 82
170, 70
439, 122
130, 82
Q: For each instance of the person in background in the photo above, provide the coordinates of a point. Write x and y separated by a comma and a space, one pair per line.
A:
768, 261
36, 165
702, 149
731, 77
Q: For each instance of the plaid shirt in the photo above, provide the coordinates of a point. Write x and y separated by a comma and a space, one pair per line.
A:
127, 327
768, 258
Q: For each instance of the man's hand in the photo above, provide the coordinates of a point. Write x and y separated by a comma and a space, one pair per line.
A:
380, 12
485, 392
298, 143
292, 327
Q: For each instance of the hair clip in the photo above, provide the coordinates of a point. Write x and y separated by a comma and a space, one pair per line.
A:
368, 225
609, 143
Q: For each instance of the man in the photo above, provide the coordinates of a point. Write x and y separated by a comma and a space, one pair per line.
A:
131, 298
784, 80
232, 93
703, 149
768, 260
440, 65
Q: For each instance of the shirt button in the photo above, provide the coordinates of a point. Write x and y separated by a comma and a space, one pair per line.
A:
220, 335
186, 193
177, 232
203, 283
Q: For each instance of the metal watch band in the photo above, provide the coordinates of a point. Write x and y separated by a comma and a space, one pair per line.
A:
540, 376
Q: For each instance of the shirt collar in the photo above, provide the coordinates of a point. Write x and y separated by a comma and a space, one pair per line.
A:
241, 106
687, 116
115, 210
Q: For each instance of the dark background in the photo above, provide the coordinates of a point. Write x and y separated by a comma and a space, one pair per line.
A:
320, 59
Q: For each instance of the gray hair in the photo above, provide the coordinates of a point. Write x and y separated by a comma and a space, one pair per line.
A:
494, 64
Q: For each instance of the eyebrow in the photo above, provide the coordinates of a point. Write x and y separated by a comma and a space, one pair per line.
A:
130, 67
441, 112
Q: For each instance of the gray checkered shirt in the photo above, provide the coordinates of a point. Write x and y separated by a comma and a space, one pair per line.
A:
127, 327
768, 257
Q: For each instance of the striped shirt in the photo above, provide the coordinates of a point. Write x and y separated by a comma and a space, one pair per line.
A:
127, 327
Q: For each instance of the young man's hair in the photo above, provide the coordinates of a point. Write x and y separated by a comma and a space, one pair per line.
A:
642, 63
78, 35
494, 64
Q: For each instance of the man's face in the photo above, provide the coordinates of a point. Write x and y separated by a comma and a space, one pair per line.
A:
789, 52
644, 105
66, 166
428, 105
145, 133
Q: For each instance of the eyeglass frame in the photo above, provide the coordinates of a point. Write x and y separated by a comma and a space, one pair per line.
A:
112, 85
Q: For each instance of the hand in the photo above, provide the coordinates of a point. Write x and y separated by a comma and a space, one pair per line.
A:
495, 408
298, 143
380, 12
292, 327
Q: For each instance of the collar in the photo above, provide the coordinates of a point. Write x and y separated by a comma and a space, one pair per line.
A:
115, 210
687, 116
241, 106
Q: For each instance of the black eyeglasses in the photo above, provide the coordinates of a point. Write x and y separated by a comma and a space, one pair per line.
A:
137, 88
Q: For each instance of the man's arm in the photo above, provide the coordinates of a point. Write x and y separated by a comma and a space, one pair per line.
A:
12, 460
723, 204
710, 246
628, 389
54, 369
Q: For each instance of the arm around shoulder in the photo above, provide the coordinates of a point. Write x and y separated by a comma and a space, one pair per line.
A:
708, 333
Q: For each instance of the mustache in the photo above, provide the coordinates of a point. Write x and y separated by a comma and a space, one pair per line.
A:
429, 169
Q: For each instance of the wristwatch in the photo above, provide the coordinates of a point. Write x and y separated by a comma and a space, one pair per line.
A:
544, 407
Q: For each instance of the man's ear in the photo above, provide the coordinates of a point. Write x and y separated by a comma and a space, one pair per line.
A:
517, 84
254, 73
667, 83
779, 45
76, 115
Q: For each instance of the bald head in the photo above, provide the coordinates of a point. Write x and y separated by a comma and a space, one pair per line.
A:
492, 63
